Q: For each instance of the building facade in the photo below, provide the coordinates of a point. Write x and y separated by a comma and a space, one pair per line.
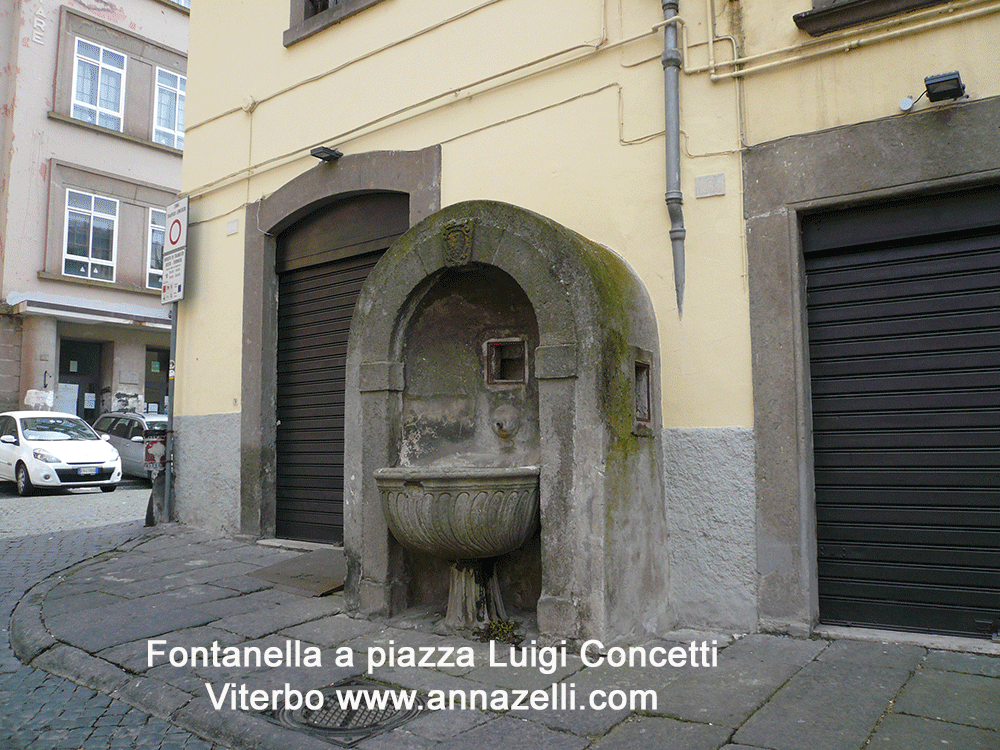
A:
783, 159
92, 120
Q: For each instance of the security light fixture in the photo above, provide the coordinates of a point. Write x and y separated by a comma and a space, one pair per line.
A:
327, 154
937, 88
944, 86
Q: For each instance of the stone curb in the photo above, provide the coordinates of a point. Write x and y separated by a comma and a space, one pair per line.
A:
153, 696
80, 667
28, 636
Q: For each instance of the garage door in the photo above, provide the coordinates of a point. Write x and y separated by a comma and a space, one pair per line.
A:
322, 264
904, 343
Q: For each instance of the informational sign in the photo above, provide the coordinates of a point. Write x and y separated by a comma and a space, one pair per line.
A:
174, 250
66, 397
89, 400
173, 276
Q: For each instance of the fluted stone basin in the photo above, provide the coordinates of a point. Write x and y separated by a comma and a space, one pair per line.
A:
467, 515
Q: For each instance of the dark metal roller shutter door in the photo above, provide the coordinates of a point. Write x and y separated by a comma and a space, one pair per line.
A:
314, 318
904, 349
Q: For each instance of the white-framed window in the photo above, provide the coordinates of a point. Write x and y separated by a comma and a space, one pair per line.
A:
168, 126
91, 236
154, 256
98, 85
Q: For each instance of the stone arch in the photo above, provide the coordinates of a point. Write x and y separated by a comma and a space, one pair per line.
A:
604, 565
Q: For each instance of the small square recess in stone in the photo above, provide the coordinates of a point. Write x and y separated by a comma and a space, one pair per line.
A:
348, 726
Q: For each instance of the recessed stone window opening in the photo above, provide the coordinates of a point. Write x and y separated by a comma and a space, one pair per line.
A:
643, 408
506, 362
317, 6
308, 17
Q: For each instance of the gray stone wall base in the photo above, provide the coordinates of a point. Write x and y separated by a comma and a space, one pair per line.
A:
207, 472
711, 511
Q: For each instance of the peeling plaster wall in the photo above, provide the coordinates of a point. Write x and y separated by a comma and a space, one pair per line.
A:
9, 20
711, 502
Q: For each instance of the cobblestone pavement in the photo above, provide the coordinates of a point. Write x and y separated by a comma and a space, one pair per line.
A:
39, 536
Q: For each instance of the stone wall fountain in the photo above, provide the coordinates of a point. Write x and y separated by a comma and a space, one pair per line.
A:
502, 439
466, 487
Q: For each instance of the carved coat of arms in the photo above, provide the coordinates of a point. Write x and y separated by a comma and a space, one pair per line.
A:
457, 237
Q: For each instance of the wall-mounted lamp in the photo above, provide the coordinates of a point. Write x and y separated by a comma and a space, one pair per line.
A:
944, 86
937, 88
327, 154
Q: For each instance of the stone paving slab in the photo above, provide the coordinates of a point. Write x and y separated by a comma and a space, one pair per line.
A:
893, 656
748, 673
656, 733
523, 678
79, 603
826, 705
583, 722
424, 680
237, 604
973, 700
952, 661
900, 732
270, 620
513, 734
127, 621
442, 725
336, 630
134, 655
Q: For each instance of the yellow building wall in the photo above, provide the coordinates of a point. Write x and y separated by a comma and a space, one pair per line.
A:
858, 74
537, 104
556, 107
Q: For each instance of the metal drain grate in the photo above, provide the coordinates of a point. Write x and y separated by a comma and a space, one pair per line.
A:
347, 726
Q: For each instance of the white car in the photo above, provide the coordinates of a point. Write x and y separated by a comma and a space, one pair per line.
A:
57, 451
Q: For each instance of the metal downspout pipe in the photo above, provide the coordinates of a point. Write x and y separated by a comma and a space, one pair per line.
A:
672, 120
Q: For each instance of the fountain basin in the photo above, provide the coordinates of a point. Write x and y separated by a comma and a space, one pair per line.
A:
460, 513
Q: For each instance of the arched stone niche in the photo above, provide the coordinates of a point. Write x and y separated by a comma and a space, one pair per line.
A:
603, 548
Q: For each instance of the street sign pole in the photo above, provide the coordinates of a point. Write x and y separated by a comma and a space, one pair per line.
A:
174, 257
168, 470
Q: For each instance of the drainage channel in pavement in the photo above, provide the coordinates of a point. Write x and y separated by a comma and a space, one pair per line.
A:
353, 710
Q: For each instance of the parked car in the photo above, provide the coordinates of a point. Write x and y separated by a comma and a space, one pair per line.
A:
54, 450
124, 430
